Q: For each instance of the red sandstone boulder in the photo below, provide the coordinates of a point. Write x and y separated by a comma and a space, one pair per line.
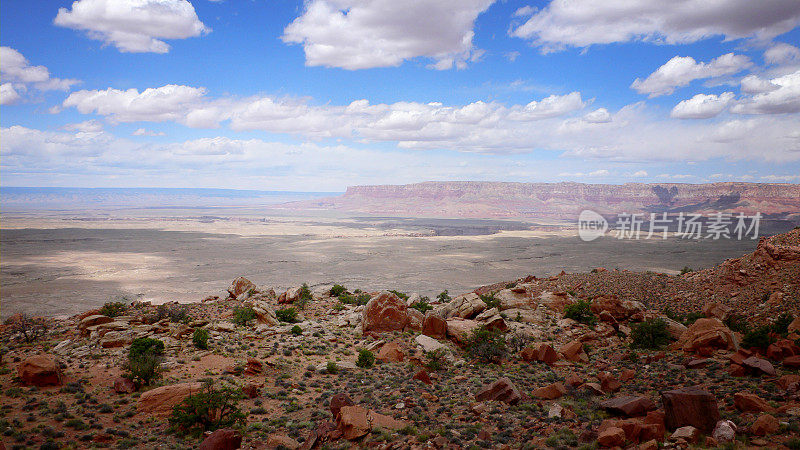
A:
124, 385
759, 366
690, 406
355, 421
707, 333
539, 352
337, 402
39, 370
551, 392
501, 390
764, 425
384, 312
611, 437
628, 405
239, 286
161, 400
222, 439
434, 326
573, 351
745, 401
391, 352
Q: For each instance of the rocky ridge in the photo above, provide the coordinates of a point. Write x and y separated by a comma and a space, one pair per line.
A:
558, 383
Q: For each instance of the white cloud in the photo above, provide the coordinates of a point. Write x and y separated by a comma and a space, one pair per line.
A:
145, 132
89, 126
702, 106
581, 23
781, 54
552, 106
133, 25
168, 102
353, 34
8, 95
639, 173
682, 70
599, 115
18, 75
785, 98
781, 178
752, 84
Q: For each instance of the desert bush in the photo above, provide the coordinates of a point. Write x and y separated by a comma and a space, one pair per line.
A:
581, 311
29, 328
517, 341
422, 305
144, 359
296, 330
244, 315
650, 334
760, 338
436, 360
444, 296
366, 358
337, 290
288, 315
485, 345
686, 269
357, 299
175, 313
781, 324
208, 410
490, 300
738, 323
113, 309
331, 368
305, 296
402, 295
200, 338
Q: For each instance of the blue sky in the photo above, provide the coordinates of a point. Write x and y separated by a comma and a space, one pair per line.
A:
323, 94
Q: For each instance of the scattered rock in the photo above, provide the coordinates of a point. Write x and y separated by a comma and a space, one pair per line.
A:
707, 333
550, 392
434, 326
573, 351
688, 433
745, 401
240, 286
124, 385
759, 366
355, 421
39, 370
764, 425
384, 312
690, 406
391, 352
724, 431
461, 329
222, 439
337, 402
628, 405
501, 390
611, 437
282, 441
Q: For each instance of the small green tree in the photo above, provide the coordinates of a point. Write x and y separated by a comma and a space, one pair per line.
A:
402, 295
337, 290
331, 368
200, 338
113, 309
366, 358
288, 315
144, 359
443, 296
244, 315
435, 360
490, 300
781, 324
485, 345
296, 330
650, 334
422, 305
686, 269
759, 338
207, 410
581, 311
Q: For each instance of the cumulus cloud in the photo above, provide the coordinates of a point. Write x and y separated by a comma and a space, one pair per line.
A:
354, 34
168, 102
88, 126
783, 98
600, 115
782, 53
639, 174
18, 74
581, 23
146, 132
702, 106
682, 70
8, 95
134, 26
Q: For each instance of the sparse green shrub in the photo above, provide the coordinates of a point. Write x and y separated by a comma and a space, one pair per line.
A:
490, 300
113, 309
243, 316
175, 313
758, 338
144, 359
331, 368
485, 345
436, 360
358, 299
517, 341
30, 328
337, 290
366, 358
207, 410
650, 334
402, 295
288, 315
296, 330
581, 311
737, 323
200, 338
422, 305
685, 270
781, 324
443, 296
692, 317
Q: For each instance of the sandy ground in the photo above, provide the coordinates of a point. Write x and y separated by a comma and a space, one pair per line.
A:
62, 264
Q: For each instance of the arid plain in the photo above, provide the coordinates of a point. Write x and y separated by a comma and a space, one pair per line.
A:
63, 263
